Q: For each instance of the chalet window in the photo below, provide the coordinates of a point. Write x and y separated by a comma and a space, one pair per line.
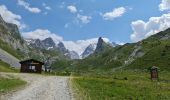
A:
32, 67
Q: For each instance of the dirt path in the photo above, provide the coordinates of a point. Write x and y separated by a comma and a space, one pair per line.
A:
42, 88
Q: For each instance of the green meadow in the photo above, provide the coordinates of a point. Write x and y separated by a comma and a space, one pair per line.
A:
7, 84
123, 85
4, 67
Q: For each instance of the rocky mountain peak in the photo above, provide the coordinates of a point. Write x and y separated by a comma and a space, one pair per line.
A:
60, 44
66, 52
89, 50
100, 41
61, 47
101, 45
73, 55
9, 33
11, 29
48, 42
1, 19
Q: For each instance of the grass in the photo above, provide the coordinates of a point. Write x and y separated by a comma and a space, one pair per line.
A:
4, 67
7, 84
8, 48
124, 85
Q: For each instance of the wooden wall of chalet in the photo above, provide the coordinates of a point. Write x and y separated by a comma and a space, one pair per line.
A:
31, 66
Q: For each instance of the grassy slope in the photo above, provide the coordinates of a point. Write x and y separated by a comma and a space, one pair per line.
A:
126, 85
96, 80
105, 61
7, 84
16, 53
4, 67
158, 54
154, 48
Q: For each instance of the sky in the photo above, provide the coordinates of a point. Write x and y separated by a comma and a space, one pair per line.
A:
77, 23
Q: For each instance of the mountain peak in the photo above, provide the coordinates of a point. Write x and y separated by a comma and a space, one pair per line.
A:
48, 42
101, 45
89, 50
60, 44
100, 40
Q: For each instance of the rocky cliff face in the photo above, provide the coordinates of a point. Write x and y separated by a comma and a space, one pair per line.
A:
89, 50
49, 44
97, 47
11, 60
66, 52
11, 38
74, 55
12, 45
101, 45
62, 48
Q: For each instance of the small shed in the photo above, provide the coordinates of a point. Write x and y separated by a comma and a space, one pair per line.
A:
31, 66
154, 73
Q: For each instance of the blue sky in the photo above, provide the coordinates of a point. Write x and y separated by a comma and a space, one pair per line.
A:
72, 20
118, 29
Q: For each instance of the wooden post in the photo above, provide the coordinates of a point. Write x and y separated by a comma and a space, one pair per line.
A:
154, 73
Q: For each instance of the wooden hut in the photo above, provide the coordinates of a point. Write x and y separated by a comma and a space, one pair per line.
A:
31, 66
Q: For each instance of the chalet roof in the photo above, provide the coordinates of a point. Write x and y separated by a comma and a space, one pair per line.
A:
31, 60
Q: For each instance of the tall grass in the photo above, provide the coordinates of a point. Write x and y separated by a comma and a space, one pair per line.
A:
7, 84
4, 67
125, 85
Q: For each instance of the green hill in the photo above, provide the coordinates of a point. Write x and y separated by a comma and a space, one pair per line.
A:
157, 48
153, 51
4, 67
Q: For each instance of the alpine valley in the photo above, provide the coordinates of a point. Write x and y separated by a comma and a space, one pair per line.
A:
84, 50
97, 56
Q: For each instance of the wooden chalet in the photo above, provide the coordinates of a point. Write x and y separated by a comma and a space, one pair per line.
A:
31, 66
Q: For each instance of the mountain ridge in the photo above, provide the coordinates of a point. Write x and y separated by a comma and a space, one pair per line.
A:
49, 44
152, 51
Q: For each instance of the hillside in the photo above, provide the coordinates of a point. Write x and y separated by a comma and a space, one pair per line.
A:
153, 51
14, 48
4, 67
157, 52
11, 60
11, 40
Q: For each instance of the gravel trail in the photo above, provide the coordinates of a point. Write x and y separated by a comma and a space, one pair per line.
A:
41, 88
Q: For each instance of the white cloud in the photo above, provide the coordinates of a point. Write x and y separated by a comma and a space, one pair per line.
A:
46, 7
165, 5
143, 29
10, 17
28, 7
84, 19
72, 9
117, 12
120, 43
78, 46
42, 34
